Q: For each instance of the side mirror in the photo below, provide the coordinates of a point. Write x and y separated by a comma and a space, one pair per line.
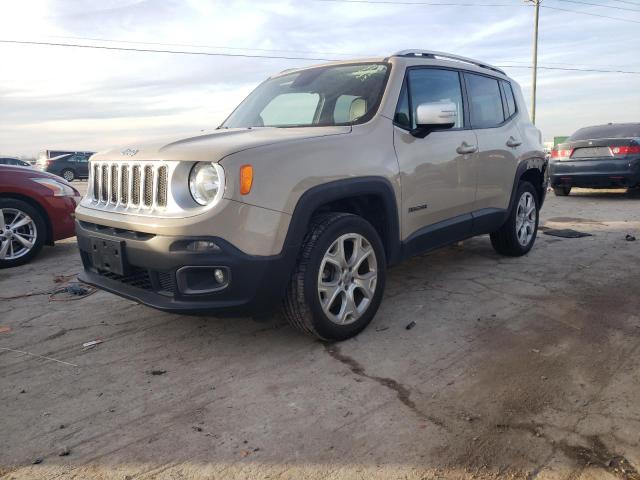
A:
434, 116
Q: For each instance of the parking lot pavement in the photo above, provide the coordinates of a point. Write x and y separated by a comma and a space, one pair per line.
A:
517, 368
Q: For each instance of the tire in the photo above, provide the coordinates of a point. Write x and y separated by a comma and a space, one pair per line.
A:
318, 278
506, 240
68, 174
561, 191
12, 251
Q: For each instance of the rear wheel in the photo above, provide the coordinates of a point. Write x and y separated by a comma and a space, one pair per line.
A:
517, 236
562, 191
68, 174
22, 232
338, 283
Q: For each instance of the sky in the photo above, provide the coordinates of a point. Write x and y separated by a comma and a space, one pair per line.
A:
89, 99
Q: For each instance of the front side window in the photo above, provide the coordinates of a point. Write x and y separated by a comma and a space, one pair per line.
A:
430, 85
322, 96
485, 102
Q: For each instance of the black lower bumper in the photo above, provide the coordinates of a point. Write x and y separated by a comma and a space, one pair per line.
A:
595, 173
155, 271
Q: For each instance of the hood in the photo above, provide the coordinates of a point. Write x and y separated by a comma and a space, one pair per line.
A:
10, 173
213, 147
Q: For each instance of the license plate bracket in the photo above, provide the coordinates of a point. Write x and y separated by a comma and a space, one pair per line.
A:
108, 255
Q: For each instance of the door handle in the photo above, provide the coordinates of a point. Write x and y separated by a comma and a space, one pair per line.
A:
513, 143
465, 149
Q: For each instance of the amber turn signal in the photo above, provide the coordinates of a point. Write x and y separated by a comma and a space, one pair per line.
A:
246, 179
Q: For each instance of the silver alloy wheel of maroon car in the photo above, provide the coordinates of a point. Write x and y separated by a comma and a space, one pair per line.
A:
18, 234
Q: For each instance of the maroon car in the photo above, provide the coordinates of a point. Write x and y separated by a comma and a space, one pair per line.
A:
36, 208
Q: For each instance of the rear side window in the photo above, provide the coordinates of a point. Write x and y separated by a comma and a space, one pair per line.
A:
621, 130
484, 100
510, 101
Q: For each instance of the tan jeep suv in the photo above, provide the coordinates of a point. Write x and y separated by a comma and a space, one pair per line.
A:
320, 180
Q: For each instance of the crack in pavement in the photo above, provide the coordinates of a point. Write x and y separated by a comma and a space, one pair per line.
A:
402, 392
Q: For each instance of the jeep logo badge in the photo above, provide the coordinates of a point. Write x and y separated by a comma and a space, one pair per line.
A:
129, 152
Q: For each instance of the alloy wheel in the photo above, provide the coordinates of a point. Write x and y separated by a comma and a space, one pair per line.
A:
347, 278
526, 217
18, 234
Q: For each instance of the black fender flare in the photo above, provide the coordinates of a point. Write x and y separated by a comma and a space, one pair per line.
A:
325, 193
533, 163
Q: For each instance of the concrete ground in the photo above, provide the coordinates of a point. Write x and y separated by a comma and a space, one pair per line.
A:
516, 368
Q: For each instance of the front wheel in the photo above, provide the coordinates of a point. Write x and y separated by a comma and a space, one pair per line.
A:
337, 286
517, 236
22, 232
69, 175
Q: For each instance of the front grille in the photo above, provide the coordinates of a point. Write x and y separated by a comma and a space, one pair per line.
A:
140, 186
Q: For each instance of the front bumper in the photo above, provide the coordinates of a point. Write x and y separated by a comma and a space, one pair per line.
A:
60, 211
595, 173
155, 275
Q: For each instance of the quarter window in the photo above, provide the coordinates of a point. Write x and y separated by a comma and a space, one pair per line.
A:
485, 101
402, 117
511, 102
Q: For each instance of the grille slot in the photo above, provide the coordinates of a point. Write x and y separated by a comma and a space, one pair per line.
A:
130, 185
96, 179
124, 184
148, 185
114, 184
161, 193
104, 183
135, 185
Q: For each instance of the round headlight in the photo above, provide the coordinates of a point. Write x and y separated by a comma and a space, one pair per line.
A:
206, 182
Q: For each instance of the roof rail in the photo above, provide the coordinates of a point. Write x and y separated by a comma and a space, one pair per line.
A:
448, 56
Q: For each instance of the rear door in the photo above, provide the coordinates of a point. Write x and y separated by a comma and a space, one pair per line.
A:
81, 160
438, 181
493, 114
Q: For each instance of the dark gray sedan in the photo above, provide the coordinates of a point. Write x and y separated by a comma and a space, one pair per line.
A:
602, 156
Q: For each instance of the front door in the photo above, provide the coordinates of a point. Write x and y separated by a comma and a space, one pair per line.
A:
438, 171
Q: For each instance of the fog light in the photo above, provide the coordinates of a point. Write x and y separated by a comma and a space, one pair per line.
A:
219, 275
202, 246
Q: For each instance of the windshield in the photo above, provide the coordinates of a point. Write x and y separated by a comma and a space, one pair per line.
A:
323, 96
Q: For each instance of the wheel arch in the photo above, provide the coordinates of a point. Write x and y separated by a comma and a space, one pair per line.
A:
372, 198
48, 240
534, 171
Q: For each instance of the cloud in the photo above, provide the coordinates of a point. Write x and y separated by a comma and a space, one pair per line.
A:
54, 97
